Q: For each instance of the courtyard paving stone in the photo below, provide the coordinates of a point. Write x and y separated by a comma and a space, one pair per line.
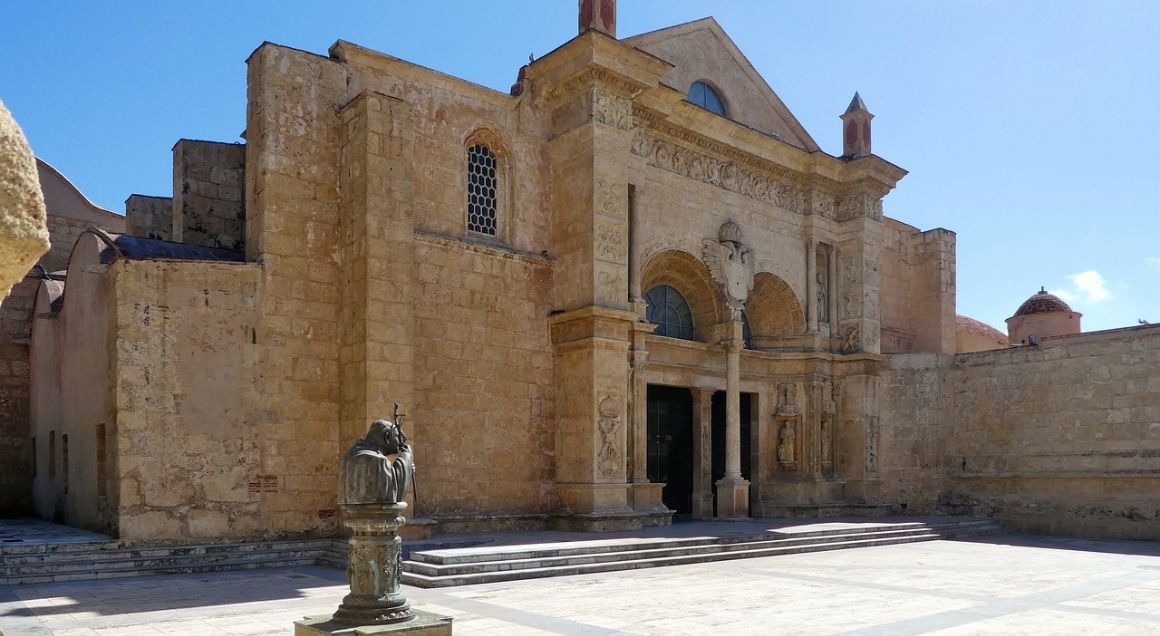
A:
1000, 585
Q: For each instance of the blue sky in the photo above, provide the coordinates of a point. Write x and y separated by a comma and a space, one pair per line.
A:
1032, 129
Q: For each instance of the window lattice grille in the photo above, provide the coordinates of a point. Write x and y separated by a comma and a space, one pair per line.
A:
668, 310
481, 190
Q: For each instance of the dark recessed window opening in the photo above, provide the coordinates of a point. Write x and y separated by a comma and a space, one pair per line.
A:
668, 310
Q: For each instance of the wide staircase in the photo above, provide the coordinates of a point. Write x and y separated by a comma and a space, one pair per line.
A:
488, 564
448, 560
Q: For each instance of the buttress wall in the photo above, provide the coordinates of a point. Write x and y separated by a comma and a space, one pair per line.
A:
374, 292
918, 289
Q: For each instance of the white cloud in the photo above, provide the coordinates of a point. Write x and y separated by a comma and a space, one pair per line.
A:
1087, 287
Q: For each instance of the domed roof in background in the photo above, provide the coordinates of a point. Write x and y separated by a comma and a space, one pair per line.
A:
1041, 303
964, 324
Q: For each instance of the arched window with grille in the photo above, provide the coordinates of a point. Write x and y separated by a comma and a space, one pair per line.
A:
482, 190
706, 97
670, 312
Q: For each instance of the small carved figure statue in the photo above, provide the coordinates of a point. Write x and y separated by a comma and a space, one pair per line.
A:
785, 446
370, 474
823, 285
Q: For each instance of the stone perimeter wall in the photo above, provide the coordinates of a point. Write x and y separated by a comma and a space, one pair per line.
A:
187, 464
1062, 438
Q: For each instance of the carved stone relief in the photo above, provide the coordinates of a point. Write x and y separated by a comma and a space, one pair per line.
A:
611, 110
612, 199
786, 440
786, 405
608, 458
822, 284
611, 284
787, 425
871, 445
851, 339
723, 174
610, 243
731, 264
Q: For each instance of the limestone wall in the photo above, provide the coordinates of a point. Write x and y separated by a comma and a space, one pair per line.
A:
484, 380
70, 213
150, 217
292, 224
456, 322
918, 289
189, 461
15, 447
913, 422
1063, 437
1060, 438
71, 394
208, 194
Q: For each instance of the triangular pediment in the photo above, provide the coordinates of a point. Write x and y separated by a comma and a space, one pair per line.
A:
701, 51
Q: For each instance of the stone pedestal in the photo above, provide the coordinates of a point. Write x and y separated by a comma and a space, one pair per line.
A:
732, 499
376, 556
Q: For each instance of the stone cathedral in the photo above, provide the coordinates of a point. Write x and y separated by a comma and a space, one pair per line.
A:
629, 289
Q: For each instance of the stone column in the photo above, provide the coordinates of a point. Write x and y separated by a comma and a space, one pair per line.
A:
812, 284
702, 453
638, 437
732, 489
635, 294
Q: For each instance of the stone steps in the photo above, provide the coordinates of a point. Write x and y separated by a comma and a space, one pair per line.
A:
99, 561
78, 561
444, 568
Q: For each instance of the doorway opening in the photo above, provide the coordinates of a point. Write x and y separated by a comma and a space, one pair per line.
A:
670, 445
719, 439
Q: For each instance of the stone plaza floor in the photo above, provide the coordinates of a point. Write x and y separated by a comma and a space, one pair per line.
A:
1009, 584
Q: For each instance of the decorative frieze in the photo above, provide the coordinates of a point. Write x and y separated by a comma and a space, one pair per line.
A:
727, 175
611, 110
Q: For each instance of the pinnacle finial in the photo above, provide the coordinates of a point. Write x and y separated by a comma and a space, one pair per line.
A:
856, 128
856, 105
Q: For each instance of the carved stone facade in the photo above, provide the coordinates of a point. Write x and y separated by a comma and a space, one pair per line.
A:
539, 391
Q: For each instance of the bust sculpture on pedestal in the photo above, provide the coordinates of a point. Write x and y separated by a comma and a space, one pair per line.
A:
373, 481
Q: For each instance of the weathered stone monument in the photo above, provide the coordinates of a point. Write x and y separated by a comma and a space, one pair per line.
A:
23, 236
373, 481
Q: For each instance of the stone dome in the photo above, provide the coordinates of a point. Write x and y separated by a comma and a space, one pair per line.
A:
1042, 303
966, 324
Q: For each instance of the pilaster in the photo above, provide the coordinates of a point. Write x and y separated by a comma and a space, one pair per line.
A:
587, 86
376, 354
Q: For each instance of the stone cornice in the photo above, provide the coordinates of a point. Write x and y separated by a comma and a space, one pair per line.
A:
498, 251
353, 54
589, 59
592, 311
727, 154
